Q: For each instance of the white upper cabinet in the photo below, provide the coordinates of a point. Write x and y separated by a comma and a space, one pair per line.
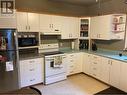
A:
50, 24
27, 22
45, 23
108, 27
22, 21
70, 28
33, 22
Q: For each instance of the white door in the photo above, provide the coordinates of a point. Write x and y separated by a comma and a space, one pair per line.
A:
115, 73
94, 27
33, 22
87, 63
45, 23
56, 24
24, 73
22, 22
65, 28
74, 27
123, 76
105, 70
78, 62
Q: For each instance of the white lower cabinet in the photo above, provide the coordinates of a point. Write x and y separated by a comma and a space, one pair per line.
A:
105, 70
115, 73
31, 71
95, 66
123, 77
91, 65
87, 63
74, 64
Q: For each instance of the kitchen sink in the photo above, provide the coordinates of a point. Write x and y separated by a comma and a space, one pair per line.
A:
124, 57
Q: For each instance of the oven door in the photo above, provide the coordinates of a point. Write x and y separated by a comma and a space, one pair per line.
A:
51, 69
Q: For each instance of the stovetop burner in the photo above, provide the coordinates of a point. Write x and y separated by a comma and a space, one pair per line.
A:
52, 53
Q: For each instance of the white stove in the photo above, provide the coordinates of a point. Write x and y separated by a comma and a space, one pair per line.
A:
55, 64
55, 68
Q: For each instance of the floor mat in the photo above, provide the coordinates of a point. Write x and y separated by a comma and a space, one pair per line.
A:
111, 91
23, 91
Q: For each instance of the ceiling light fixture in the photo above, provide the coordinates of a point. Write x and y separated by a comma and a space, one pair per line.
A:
96, 0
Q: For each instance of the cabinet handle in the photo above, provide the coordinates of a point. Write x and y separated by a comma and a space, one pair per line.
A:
32, 79
52, 25
108, 61
31, 69
31, 61
29, 27
94, 62
71, 60
99, 35
94, 69
95, 57
94, 74
56, 30
26, 27
111, 62
71, 66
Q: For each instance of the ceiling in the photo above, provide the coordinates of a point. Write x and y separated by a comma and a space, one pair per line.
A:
80, 2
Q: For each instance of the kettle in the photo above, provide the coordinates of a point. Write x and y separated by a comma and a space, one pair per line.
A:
94, 47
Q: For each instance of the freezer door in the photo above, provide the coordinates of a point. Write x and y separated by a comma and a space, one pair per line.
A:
8, 39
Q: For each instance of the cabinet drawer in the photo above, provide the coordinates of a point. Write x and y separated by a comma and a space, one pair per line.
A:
96, 58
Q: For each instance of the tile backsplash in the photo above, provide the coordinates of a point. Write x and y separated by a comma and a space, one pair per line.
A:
55, 39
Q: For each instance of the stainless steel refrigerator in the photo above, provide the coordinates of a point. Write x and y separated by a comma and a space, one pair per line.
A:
9, 78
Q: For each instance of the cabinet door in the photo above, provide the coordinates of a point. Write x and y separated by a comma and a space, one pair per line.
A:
71, 64
95, 66
104, 27
33, 22
115, 73
56, 24
45, 23
35, 68
65, 32
94, 27
87, 63
123, 77
74, 27
24, 78
22, 22
78, 62
105, 70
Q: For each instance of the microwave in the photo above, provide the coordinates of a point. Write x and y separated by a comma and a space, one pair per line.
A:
29, 41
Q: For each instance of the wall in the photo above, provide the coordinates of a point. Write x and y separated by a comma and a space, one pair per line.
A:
50, 7
109, 7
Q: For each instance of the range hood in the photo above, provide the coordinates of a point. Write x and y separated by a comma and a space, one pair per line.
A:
51, 33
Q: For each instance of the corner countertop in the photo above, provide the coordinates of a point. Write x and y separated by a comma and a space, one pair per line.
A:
101, 52
30, 56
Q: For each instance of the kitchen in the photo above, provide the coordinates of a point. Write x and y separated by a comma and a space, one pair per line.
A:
53, 44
